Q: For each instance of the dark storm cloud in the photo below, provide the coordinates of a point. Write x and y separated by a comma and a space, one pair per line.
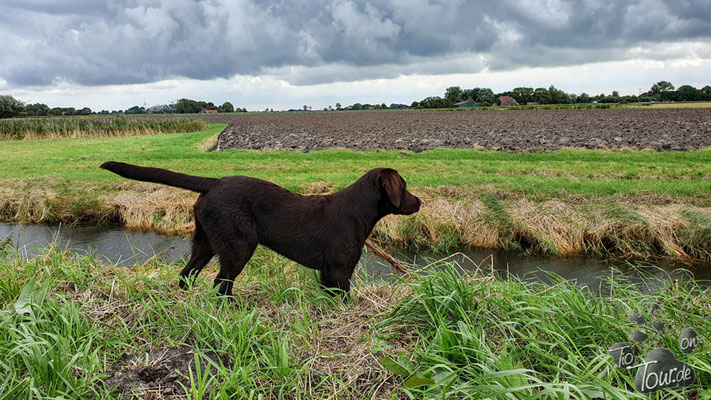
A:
138, 41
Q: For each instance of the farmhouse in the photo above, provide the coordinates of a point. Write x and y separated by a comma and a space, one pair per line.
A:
208, 111
532, 103
465, 104
508, 101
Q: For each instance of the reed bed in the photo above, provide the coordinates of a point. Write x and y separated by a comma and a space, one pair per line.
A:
444, 224
73, 327
48, 128
554, 227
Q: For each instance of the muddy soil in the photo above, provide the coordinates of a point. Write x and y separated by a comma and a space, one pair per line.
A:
665, 129
157, 374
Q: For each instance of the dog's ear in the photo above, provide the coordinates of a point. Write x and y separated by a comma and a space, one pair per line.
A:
393, 186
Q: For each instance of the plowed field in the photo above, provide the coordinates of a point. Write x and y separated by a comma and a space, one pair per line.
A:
667, 129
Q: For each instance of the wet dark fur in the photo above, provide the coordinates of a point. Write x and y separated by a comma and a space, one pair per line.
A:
323, 232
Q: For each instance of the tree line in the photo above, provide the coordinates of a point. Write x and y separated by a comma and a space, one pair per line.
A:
660, 91
12, 107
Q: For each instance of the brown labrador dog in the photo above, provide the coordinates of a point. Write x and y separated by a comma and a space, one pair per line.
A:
323, 232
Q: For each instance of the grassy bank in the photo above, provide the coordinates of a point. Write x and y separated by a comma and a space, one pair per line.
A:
44, 128
74, 328
627, 203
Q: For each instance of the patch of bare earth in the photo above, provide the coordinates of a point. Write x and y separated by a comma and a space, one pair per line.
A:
667, 129
154, 375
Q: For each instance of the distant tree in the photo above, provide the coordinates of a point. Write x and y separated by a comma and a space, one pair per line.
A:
522, 95
84, 111
558, 96
453, 94
661, 87
415, 104
135, 110
228, 107
37, 109
663, 90
435, 102
615, 93
583, 98
161, 109
10, 107
706, 92
688, 93
187, 106
338, 106
395, 106
483, 96
384, 106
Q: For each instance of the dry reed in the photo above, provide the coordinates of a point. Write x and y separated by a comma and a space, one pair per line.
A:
445, 222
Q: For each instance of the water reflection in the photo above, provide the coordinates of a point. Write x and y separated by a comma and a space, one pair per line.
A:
114, 245
120, 247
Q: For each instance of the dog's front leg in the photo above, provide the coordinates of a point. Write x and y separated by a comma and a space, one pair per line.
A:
336, 281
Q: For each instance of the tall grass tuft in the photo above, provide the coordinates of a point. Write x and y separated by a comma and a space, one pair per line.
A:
46, 128
74, 328
485, 338
48, 348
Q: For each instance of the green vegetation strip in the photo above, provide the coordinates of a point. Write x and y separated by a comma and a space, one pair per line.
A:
75, 161
74, 328
626, 203
40, 128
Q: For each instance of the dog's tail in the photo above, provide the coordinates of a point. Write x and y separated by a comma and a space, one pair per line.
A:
158, 175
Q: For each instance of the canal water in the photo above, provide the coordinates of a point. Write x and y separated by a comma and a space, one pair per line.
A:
125, 248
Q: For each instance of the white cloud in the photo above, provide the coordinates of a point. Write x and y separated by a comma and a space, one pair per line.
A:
114, 54
271, 91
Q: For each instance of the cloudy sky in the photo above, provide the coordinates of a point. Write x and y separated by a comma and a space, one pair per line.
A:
284, 54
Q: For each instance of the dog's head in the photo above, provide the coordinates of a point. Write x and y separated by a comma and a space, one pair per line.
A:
394, 193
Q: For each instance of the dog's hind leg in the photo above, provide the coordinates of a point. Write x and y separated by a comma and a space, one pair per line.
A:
202, 254
232, 261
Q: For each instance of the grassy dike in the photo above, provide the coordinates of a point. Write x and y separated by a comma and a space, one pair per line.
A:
76, 329
625, 203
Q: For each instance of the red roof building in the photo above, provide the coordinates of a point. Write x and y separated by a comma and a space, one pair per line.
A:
508, 101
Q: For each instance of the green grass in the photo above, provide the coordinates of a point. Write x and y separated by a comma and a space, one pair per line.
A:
68, 322
567, 201
544, 174
684, 104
